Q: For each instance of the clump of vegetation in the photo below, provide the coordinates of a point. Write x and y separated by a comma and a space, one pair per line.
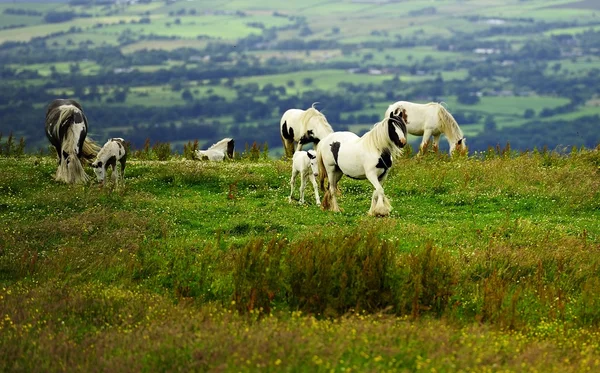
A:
189, 150
11, 149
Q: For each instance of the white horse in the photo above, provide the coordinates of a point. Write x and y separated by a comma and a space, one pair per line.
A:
305, 164
367, 157
66, 128
431, 119
218, 151
114, 150
303, 127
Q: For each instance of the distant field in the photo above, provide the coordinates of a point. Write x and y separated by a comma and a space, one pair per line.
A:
321, 79
45, 69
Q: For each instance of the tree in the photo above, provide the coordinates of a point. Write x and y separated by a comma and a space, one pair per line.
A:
187, 96
467, 98
529, 113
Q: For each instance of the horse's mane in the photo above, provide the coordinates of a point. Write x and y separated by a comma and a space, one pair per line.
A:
448, 124
310, 113
221, 145
378, 139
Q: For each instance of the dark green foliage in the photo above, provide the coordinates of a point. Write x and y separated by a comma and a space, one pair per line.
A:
9, 148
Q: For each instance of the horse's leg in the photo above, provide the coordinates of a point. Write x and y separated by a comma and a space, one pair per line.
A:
425, 141
292, 182
302, 187
316, 187
115, 173
436, 142
334, 177
299, 146
380, 205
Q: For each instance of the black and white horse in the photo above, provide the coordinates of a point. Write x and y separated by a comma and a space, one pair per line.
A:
302, 127
218, 151
66, 128
367, 157
112, 152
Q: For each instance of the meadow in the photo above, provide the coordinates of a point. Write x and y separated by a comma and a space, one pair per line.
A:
488, 262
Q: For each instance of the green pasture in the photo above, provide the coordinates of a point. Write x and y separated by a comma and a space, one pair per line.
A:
73, 40
167, 45
213, 26
45, 69
575, 65
27, 33
18, 20
487, 262
572, 30
321, 79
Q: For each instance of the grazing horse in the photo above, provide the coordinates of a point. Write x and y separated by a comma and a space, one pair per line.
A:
218, 151
305, 164
303, 127
367, 157
431, 119
66, 128
114, 150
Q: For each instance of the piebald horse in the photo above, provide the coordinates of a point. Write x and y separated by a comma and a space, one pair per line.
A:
431, 119
303, 127
66, 128
218, 151
112, 152
367, 157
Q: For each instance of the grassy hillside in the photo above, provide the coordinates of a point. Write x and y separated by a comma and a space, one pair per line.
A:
487, 263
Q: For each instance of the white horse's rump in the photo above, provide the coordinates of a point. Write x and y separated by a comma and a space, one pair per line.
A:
431, 119
66, 129
305, 164
367, 157
303, 127
218, 151
114, 150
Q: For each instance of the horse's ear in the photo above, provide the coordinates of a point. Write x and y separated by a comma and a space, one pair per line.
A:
310, 155
99, 164
404, 116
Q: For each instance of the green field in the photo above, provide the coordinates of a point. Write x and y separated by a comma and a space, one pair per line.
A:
482, 263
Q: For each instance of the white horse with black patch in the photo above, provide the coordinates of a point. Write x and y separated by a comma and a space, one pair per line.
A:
431, 119
304, 163
367, 157
66, 128
112, 152
218, 151
302, 127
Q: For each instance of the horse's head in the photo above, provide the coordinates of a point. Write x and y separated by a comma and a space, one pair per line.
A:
397, 126
230, 147
460, 146
312, 156
99, 170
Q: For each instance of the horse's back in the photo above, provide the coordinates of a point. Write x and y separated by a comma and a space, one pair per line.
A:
292, 115
420, 116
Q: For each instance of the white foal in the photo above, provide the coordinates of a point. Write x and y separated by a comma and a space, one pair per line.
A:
305, 164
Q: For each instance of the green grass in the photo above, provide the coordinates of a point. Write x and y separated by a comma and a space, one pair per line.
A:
485, 263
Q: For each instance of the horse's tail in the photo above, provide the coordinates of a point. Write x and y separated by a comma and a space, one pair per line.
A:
89, 150
322, 171
448, 125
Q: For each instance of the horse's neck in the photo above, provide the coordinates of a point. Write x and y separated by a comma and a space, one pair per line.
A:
377, 139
